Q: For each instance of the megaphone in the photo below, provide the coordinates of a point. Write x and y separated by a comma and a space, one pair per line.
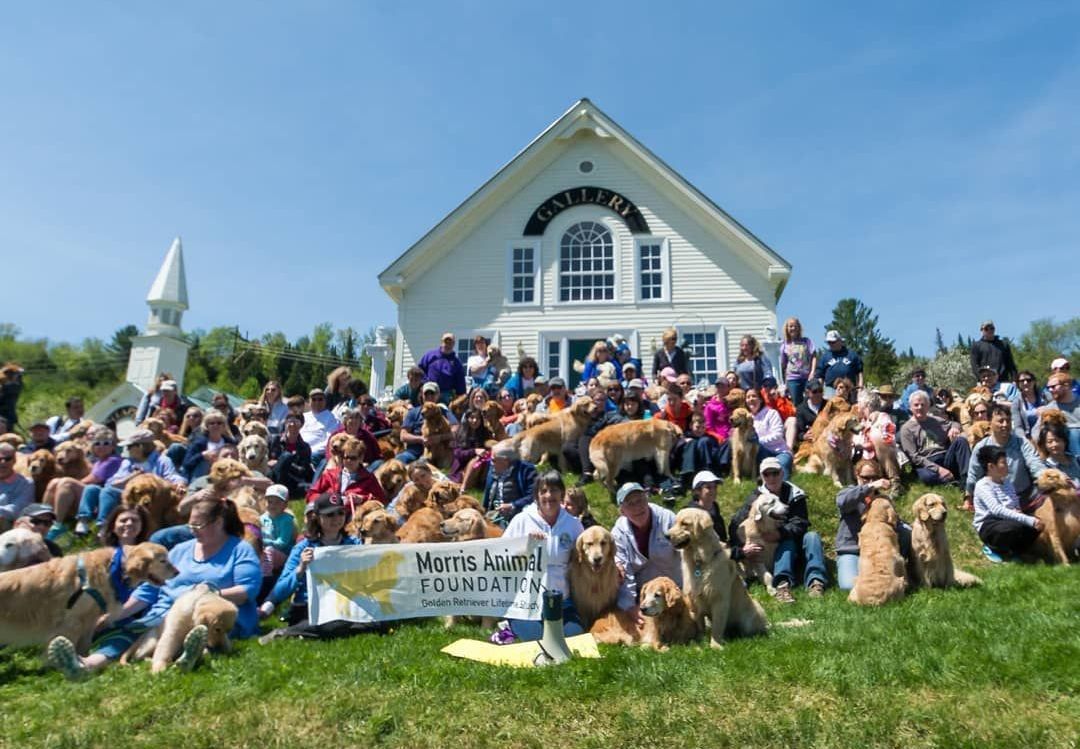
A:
553, 647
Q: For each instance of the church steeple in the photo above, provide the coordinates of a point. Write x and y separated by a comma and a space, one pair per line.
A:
168, 294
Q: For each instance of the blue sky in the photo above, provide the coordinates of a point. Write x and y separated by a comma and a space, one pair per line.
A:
924, 158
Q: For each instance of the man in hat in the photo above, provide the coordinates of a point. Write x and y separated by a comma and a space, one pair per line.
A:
40, 438
16, 490
412, 426
40, 518
994, 352
838, 362
888, 395
557, 397
642, 549
142, 457
795, 540
636, 387
988, 378
918, 382
510, 485
807, 412
1060, 365
442, 366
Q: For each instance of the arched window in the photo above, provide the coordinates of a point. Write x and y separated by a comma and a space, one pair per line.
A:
587, 263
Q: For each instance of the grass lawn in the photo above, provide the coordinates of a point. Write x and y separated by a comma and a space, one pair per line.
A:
994, 666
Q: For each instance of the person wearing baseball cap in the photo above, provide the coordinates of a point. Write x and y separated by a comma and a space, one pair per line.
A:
278, 531
40, 518
642, 548
40, 438
795, 541
838, 361
703, 497
992, 351
1060, 365
142, 457
557, 397
443, 367
325, 519
413, 424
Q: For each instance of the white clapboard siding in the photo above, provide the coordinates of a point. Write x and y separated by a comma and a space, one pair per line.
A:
460, 283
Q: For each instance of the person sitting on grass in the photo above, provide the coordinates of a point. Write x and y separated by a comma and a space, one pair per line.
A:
278, 533
324, 525
853, 502
577, 504
770, 432
1025, 465
65, 493
546, 519
795, 539
642, 549
1002, 527
510, 485
290, 457
217, 555
704, 498
351, 480
936, 447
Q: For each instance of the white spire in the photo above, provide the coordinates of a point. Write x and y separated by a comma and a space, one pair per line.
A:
170, 285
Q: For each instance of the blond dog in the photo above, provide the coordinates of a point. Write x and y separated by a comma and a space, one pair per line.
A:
762, 524
744, 448
201, 605
668, 618
931, 561
562, 428
620, 444
1060, 514
882, 575
832, 450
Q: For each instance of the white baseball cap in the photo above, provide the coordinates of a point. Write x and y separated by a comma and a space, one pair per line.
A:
278, 491
705, 477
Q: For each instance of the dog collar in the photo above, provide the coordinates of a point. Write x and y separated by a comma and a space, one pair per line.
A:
84, 587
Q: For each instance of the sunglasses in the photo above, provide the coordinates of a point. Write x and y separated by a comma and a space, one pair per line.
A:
7, 458
507, 396
196, 527
102, 443
1025, 380
869, 478
41, 521
352, 457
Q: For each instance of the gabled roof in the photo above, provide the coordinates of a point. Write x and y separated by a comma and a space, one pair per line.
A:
582, 115
170, 285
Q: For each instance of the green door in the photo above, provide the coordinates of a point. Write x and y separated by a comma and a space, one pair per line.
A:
579, 350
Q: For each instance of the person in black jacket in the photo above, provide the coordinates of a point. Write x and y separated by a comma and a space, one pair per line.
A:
794, 536
670, 355
808, 410
992, 351
290, 457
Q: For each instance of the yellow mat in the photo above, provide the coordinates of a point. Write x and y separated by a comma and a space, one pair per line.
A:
518, 655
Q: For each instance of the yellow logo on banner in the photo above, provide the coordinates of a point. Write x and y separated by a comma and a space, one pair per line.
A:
373, 582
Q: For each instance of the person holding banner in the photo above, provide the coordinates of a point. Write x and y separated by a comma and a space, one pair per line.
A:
324, 526
548, 520
350, 478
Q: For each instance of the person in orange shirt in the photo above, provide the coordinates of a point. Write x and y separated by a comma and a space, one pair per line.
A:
781, 403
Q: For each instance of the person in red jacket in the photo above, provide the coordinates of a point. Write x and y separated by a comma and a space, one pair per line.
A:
349, 480
782, 404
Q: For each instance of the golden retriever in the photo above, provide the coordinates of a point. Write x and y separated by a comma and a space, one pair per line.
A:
562, 428
201, 604
832, 408
443, 496
42, 469
254, 453
618, 445
493, 414
156, 495
668, 618
976, 431
767, 513
744, 447
411, 499
882, 573
39, 603
71, 461
391, 475
423, 526
22, 547
469, 524
254, 427
831, 453
379, 527
1060, 514
594, 582
931, 561
711, 580
459, 406
437, 436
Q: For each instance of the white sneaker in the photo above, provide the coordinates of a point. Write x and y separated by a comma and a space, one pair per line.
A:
82, 528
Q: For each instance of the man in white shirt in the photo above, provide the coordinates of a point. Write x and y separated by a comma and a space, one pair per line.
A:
319, 424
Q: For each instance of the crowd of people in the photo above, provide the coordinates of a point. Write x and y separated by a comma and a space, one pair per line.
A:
327, 447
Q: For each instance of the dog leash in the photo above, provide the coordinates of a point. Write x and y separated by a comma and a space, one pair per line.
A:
84, 587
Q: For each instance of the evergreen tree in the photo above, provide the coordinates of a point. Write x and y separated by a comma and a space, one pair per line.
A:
939, 341
858, 325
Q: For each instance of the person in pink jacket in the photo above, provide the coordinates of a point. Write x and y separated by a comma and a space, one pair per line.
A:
718, 413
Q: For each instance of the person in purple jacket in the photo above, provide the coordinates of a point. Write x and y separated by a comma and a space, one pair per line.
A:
442, 366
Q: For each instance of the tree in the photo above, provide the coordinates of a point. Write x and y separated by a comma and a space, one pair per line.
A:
120, 345
858, 325
939, 341
1046, 340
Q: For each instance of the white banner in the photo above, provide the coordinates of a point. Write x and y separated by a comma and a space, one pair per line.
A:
491, 577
